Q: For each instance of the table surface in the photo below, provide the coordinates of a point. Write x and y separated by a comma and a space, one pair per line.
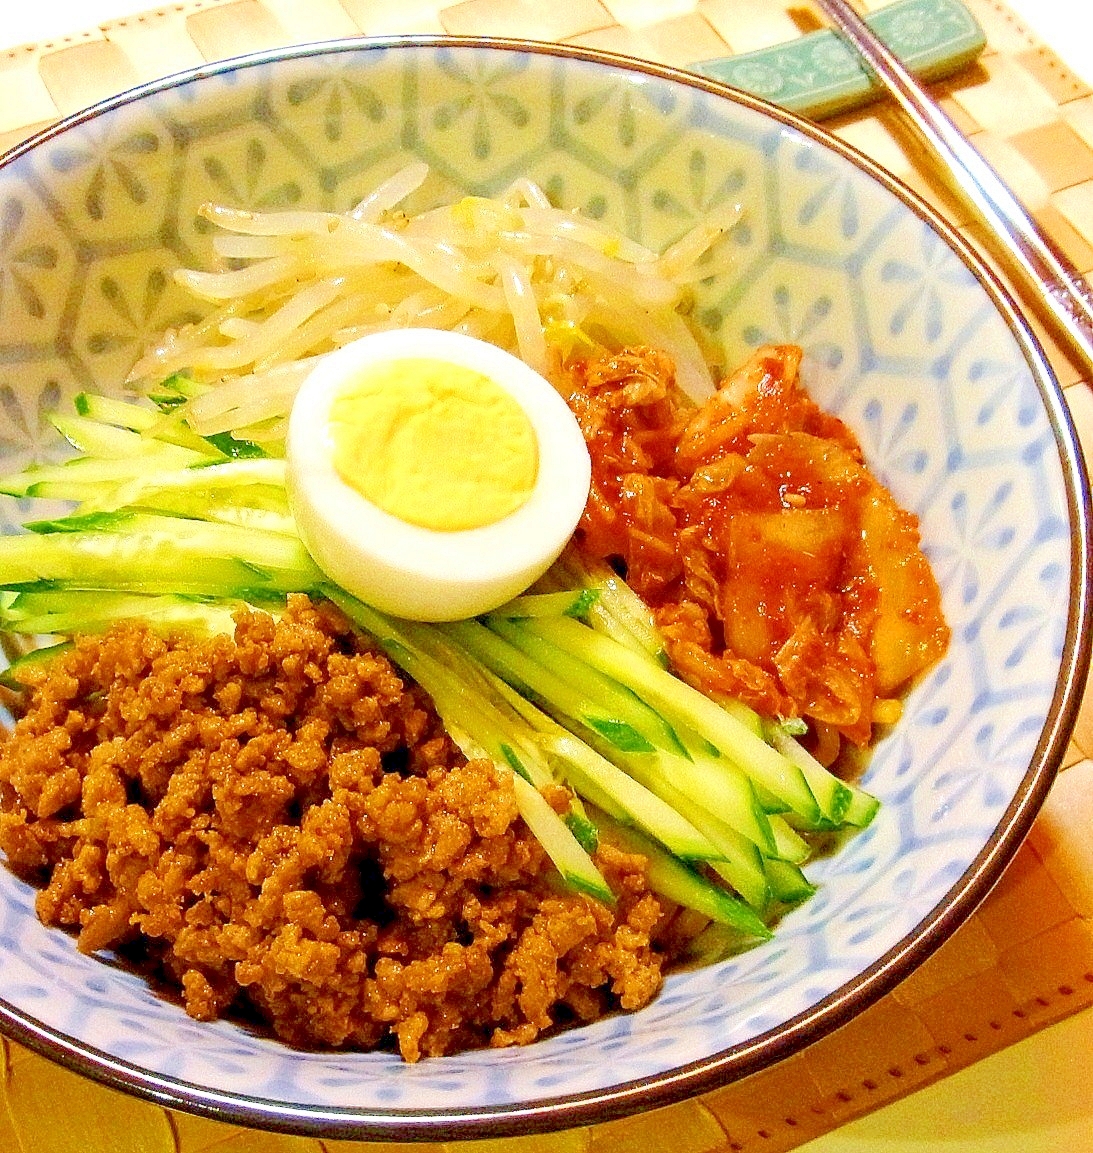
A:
1035, 1095
1065, 25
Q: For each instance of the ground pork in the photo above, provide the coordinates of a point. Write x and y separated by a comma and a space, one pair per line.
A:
277, 825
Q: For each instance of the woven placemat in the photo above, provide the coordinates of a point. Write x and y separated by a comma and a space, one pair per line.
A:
1025, 958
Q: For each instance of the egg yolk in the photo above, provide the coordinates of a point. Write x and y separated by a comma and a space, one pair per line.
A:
434, 444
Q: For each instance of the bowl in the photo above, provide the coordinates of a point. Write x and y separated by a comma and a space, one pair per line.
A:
908, 337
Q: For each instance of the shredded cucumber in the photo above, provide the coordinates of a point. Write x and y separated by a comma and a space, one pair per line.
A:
68, 611
618, 611
563, 848
197, 558
13, 677
623, 704
688, 708
672, 878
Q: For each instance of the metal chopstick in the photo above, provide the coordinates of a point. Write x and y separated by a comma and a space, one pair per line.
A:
1042, 269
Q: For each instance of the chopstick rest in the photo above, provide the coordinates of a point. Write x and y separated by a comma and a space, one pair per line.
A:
819, 75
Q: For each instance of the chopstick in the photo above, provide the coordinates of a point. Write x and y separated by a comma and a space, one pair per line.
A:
1041, 269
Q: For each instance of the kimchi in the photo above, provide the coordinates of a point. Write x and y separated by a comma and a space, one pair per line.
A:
779, 569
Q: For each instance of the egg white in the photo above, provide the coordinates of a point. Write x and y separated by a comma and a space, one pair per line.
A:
404, 569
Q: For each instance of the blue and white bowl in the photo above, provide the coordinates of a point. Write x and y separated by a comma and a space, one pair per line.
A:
908, 338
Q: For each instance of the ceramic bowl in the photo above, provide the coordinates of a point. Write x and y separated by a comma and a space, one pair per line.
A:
907, 337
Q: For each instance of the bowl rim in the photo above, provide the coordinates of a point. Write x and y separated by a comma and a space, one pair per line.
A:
855, 995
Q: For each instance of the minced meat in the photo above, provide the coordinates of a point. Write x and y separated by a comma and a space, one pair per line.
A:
277, 824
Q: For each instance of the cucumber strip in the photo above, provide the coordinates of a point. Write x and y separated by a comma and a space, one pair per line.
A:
236, 447
590, 773
189, 556
98, 440
169, 426
109, 410
107, 441
81, 522
789, 845
726, 792
862, 809
153, 424
92, 612
788, 885
838, 799
714, 943
201, 578
265, 508
172, 429
740, 875
229, 474
698, 747
266, 550
771, 804
676, 881
747, 716
610, 696
530, 678
686, 708
88, 493
619, 612
86, 470
576, 867
582, 828
13, 676
832, 796
575, 603
761, 726
174, 389
48, 599
227, 512
738, 860
224, 541
586, 789
255, 482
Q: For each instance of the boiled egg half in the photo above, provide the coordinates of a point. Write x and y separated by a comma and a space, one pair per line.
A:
433, 475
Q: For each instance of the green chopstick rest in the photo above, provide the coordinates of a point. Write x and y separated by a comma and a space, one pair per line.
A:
819, 74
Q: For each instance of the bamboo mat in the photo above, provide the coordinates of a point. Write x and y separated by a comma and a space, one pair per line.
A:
1025, 958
